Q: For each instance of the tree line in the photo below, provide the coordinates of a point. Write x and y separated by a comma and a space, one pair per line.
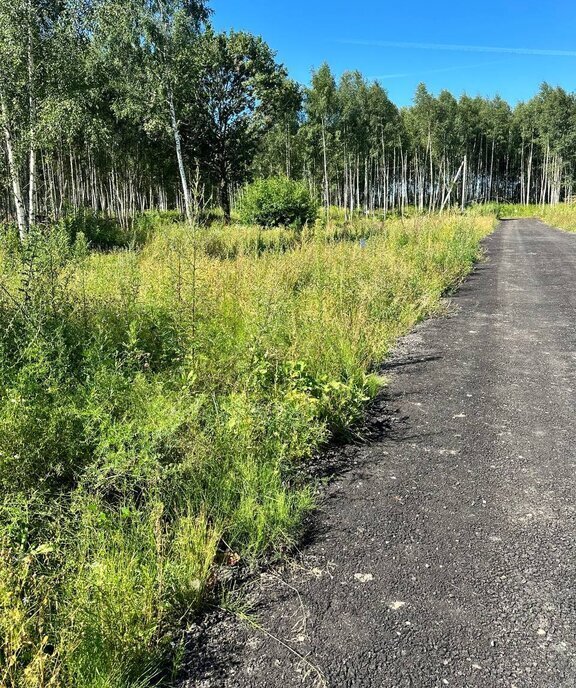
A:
361, 152
119, 106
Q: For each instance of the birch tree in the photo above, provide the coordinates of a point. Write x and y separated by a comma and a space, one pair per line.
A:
321, 113
149, 46
26, 28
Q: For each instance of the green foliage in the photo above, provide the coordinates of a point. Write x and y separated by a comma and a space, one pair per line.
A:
277, 201
239, 93
134, 575
100, 231
123, 107
155, 410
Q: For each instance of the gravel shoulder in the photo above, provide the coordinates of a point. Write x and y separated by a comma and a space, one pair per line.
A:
446, 555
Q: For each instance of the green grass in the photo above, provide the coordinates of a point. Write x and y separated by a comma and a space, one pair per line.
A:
156, 407
561, 215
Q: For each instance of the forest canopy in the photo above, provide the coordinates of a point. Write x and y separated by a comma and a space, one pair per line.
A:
119, 107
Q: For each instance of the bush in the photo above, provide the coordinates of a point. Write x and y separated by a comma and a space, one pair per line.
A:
276, 202
101, 231
106, 233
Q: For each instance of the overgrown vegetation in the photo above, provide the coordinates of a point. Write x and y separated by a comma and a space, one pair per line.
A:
165, 375
155, 408
562, 215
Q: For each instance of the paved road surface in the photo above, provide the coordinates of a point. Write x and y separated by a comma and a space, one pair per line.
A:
447, 555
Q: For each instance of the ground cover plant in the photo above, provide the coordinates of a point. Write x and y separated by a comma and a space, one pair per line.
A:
155, 407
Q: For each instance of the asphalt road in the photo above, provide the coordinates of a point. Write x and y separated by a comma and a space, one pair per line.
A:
447, 555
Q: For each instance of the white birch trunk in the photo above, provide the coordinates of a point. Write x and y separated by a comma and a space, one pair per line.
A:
19, 204
180, 159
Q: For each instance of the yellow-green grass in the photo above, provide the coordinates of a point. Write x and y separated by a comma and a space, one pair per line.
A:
560, 215
155, 408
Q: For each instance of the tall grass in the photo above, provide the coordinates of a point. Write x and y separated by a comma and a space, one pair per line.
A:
561, 215
155, 408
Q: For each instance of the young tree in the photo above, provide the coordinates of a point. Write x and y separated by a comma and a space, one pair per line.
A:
239, 93
321, 109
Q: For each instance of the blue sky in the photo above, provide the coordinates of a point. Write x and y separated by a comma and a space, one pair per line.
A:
506, 48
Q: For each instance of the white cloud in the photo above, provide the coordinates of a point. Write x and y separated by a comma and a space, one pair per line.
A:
441, 70
463, 48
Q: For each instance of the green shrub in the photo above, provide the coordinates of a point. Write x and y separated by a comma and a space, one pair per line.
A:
276, 202
101, 232
144, 224
105, 233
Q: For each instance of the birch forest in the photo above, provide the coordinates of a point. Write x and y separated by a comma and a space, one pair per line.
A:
121, 107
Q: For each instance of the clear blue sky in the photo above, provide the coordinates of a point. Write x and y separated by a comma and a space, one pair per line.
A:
505, 47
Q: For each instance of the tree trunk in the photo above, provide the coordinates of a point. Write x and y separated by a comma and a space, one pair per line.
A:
529, 182
21, 218
32, 114
224, 197
326, 182
464, 181
180, 159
